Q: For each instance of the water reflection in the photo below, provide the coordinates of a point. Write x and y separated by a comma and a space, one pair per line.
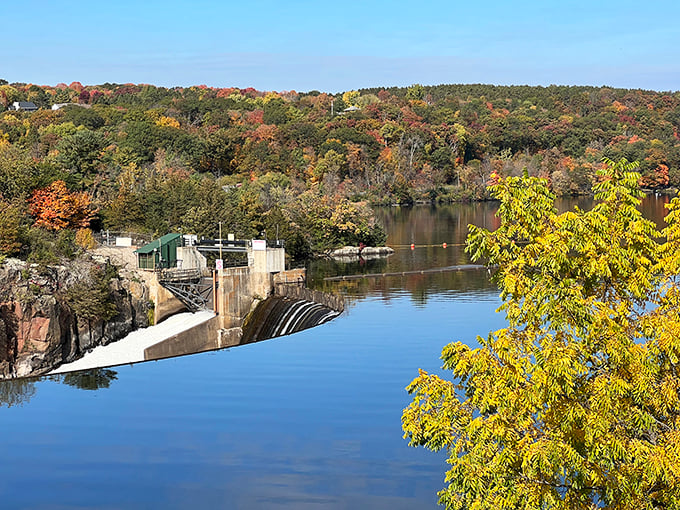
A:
17, 392
427, 229
438, 237
94, 379
654, 208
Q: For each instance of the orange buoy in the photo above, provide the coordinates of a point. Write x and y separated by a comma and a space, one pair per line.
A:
413, 246
444, 245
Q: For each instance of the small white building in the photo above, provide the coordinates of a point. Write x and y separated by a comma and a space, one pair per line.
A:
349, 109
25, 106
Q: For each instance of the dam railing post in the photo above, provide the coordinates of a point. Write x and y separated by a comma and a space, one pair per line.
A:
215, 287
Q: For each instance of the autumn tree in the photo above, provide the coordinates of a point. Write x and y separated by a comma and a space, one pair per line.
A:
12, 225
330, 165
351, 97
125, 211
84, 96
576, 403
56, 208
415, 92
332, 222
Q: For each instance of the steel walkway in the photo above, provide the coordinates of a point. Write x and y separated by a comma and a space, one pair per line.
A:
192, 287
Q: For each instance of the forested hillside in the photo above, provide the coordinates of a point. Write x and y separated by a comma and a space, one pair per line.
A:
153, 159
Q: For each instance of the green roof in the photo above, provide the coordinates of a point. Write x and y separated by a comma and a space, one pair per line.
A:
157, 243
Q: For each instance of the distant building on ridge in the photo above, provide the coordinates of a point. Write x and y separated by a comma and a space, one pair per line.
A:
350, 109
26, 106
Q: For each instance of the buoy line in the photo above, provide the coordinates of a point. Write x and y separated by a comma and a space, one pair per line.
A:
414, 245
464, 267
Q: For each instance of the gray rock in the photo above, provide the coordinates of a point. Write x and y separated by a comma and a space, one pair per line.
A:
351, 253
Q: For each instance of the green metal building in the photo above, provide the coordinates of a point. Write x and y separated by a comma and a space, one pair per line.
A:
159, 253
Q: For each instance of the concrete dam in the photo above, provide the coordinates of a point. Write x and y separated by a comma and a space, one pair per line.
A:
251, 303
257, 300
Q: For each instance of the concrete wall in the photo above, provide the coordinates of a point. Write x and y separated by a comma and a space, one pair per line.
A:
165, 304
332, 301
290, 276
271, 260
276, 260
239, 290
235, 294
207, 336
191, 258
239, 287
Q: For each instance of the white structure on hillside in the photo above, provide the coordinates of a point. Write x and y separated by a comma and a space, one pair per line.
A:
25, 106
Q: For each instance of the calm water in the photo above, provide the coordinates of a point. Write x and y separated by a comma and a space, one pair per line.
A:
311, 420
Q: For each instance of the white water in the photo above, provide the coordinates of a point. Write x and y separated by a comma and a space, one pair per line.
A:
297, 314
131, 348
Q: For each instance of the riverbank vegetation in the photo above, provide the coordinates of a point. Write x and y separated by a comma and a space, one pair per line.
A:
575, 403
303, 166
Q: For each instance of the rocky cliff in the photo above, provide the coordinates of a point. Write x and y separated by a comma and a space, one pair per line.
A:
39, 323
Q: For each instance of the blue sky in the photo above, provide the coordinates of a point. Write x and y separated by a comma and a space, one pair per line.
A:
336, 46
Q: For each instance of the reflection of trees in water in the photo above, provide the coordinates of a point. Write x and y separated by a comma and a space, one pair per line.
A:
434, 225
428, 228
15, 392
420, 286
318, 269
94, 379
19, 391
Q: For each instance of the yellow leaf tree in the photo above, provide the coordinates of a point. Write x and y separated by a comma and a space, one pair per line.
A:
575, 404
351, 97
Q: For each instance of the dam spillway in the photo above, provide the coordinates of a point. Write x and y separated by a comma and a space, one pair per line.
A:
279, 315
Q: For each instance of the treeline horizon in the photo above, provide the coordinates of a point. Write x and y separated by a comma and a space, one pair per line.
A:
158, 159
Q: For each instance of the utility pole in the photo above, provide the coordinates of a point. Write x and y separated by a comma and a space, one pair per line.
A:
220, 223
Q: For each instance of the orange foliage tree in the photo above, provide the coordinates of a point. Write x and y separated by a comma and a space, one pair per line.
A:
56, 208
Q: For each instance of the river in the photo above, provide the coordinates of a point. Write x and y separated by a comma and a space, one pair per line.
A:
311, 420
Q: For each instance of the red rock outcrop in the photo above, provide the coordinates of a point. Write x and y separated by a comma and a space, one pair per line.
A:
39, 331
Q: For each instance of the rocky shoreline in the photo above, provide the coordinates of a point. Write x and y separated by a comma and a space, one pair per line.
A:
352, 253
39, 330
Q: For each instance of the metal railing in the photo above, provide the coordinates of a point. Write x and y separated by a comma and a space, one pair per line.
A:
178, 275
108, 237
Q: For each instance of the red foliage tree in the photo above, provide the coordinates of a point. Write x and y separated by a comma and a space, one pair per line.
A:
383, 95
255, 117
56, 208
226, 92
657, 178
84, 97
94, 95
